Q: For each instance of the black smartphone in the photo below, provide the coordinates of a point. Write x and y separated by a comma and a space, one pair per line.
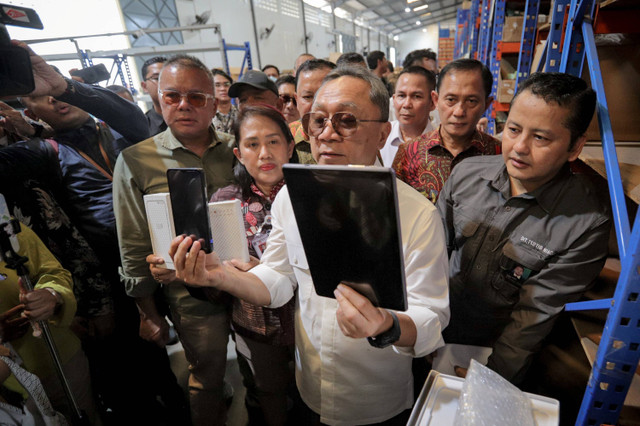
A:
19, 16
16, 77
188, 193
93, 74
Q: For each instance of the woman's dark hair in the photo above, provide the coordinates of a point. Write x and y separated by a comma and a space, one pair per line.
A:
243, 178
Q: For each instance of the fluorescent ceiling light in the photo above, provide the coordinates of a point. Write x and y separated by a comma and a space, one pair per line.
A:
396, 38
417, 22
407, 9
424, 6
411, 1
424, 30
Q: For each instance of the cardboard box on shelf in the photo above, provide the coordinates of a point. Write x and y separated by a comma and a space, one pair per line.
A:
506, 80
512, 30
466, 4
620, 68
537, 56
505, 91
235, 72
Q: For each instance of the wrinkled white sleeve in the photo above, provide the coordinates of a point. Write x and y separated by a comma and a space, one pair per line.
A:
274, 269
426, 274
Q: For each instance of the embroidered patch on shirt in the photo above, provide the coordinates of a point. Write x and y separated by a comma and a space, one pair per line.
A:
536, 245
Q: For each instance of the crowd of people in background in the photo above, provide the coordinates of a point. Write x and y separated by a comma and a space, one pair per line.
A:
489, 247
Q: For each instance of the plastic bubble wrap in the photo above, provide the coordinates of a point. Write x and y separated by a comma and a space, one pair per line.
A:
488, 399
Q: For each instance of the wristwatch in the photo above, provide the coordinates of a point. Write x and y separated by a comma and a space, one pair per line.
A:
388, 337
70, 87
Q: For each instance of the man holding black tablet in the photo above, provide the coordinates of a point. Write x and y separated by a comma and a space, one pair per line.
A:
343, 377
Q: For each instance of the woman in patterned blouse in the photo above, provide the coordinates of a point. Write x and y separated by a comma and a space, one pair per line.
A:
264, 337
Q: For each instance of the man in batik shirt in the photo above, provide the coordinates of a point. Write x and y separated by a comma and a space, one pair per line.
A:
462, 96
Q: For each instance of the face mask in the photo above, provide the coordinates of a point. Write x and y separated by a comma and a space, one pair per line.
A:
272, 78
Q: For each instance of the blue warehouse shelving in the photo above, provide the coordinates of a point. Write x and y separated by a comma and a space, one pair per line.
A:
570, 47
618, 352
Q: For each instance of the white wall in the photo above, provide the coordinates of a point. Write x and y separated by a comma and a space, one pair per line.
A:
285, 42
419, 39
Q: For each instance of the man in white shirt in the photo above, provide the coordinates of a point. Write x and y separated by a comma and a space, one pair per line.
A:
412, 103
343, 377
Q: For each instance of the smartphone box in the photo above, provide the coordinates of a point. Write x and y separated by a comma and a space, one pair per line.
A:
161, 226
227, 230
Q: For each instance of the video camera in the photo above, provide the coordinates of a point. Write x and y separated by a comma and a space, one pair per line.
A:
16, 76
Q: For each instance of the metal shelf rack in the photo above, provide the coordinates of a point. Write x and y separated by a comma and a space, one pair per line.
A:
483, 27
120, 56
569, 42
462, 33
619, 349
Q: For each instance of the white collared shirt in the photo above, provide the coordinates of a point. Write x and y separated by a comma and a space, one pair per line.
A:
390, 148
346, 380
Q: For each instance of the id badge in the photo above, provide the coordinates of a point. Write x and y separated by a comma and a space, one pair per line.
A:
259, 243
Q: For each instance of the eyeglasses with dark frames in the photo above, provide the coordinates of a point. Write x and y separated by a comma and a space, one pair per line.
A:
344, 123
196, 99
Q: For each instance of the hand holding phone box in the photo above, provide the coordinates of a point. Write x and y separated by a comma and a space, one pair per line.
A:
227, 229
161, 227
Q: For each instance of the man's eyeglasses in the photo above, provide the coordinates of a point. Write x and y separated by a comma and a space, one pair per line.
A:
344, 123
196, 99
225, 84
287, 98
153, 78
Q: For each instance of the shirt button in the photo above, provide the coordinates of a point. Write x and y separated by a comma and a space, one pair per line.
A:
508, 209
478, 267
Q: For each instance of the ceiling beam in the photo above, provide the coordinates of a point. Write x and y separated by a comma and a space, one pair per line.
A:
337, 3
446, 9
426, 22
431, 6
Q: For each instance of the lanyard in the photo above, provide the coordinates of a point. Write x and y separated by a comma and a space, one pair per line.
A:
103, 133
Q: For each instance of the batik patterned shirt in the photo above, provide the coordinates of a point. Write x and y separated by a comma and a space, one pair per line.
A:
425, 163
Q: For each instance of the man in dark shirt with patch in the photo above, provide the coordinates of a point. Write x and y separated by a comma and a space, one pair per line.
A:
525, 234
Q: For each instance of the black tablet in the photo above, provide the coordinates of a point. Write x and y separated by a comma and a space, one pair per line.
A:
350, 229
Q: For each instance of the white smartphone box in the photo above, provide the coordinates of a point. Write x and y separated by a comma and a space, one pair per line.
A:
161, 227
227, 230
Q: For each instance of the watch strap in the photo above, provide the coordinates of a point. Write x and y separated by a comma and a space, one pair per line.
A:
389, 337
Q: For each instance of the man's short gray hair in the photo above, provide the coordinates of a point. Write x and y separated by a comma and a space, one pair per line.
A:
378, 94
188, 61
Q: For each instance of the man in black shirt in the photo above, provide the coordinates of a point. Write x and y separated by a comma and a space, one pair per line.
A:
150, 73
